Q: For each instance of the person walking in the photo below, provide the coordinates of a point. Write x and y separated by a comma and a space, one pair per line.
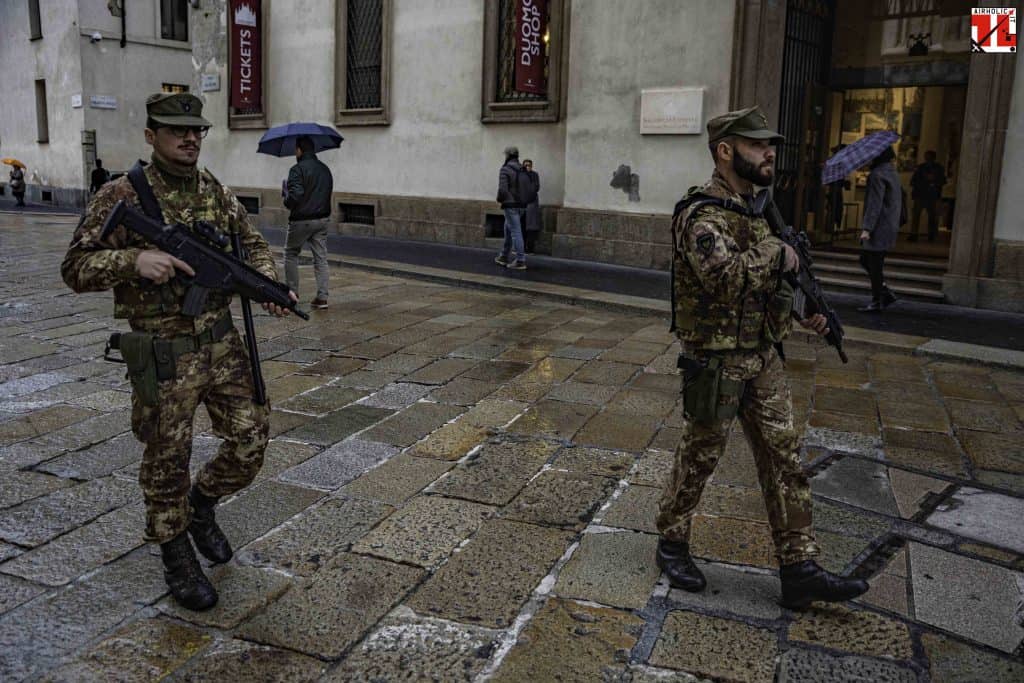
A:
879, 227
532, 223
176, 361
100, 177
18, 185
731, 307
511, 182
309, 189
925, 191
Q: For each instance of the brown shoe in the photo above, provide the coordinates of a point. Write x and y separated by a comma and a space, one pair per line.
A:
319, 304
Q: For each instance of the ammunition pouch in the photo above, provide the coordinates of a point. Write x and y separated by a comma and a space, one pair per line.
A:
778, 313
708, 395
151, 359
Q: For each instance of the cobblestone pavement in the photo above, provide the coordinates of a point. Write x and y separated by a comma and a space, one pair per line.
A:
461, 485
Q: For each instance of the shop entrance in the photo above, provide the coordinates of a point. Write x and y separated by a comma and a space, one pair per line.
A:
850, 69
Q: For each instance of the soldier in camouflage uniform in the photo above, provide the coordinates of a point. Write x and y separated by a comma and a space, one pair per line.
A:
731, 305
211, 365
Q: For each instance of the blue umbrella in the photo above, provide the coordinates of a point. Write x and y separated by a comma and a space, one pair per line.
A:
279, 141
856, 154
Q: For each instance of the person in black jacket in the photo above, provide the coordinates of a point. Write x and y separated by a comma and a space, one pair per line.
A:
309, 188
509, 198
100, 177
532, 223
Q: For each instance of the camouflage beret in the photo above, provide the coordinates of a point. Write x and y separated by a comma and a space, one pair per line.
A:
747, 123
176, 109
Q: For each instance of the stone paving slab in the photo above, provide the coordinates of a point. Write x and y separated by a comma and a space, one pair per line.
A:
730, 540
81, 549
732, 590
618, 431
497, 472
148, 649
570, 641
238, 660
97, 461
964, 596
993, 451
424, 531
310, 540
635, 508
715, 647
260, 508
41, 519
653, 468
561, 499
326, 616
41, 422
951, 661
338, 424
339, 464
598, 461
22, 486
487, 581
243, 591
463, 391
15, 591
405, 645
856, 631
614, 569
553, 419
322, 400
862, 483
412, 424
982, 515
807, 666
397, 480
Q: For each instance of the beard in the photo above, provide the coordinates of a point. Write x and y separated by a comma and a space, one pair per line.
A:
750, 171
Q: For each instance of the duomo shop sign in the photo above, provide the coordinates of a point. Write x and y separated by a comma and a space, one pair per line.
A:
531, 28
246, 74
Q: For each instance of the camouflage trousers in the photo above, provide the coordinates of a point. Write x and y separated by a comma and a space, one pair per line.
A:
217, 375
766, 414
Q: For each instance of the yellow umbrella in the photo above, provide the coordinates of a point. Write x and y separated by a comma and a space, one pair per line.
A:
12, 162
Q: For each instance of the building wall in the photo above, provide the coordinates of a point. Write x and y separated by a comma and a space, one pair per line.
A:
1009, 227
131, 74
56, 164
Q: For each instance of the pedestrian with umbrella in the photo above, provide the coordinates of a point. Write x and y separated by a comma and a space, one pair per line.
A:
882, 205
17, 179
307, 194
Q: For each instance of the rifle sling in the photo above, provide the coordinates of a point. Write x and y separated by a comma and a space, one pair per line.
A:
140, 183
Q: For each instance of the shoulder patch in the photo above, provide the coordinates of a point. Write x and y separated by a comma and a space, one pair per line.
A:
706, 243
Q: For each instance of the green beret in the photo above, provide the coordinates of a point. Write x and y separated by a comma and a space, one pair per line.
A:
747, 123
176, 109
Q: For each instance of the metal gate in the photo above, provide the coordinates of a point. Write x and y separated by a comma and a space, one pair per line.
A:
806, 64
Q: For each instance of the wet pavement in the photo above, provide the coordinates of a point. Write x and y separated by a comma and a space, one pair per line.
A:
461, 486
941, 321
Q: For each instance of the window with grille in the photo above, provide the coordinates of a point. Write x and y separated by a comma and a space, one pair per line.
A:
363, 30
503, 99
174, 20
363, 44
356, 213
251, 204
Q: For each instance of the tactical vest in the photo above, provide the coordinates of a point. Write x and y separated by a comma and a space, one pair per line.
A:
699, 318
207, 203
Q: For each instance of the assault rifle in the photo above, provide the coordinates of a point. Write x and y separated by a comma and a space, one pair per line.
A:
202, 248
808, 299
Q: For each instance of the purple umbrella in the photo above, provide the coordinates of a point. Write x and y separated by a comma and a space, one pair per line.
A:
856, 154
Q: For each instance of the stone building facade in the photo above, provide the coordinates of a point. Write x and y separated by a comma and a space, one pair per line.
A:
73, 92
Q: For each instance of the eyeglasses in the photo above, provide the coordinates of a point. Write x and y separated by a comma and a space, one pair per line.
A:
182, 131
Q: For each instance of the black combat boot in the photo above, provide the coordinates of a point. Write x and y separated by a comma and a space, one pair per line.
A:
208, 537
185, 577
804, 582
674, 559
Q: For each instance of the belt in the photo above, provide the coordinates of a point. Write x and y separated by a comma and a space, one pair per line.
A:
179, 346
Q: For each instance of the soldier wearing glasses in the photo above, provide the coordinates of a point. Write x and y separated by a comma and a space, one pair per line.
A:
207, 357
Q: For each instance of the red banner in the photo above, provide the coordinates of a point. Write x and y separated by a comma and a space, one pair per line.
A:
245, 21
531, 27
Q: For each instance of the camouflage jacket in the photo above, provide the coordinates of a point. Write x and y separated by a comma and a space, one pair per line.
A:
92, 264
726, 267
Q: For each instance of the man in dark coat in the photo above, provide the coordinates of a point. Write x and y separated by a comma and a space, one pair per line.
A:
926, 190
881, 223
100, 177
509, 198
308, 195
532, 223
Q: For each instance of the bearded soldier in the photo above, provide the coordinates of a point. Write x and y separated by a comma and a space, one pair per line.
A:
731, 307
176, 361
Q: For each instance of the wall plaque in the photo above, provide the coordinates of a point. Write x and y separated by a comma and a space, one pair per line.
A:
671, 111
